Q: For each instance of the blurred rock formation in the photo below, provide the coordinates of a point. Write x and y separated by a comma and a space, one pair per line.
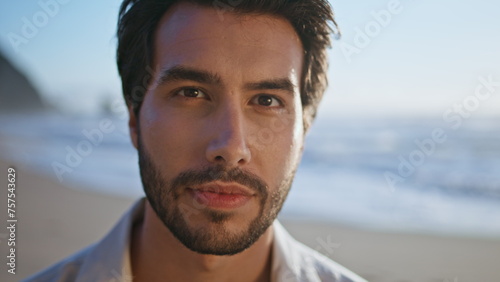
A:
17, 94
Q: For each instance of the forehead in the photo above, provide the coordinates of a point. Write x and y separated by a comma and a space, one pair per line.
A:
220, 40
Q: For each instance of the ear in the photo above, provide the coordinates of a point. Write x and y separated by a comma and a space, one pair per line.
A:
133, 125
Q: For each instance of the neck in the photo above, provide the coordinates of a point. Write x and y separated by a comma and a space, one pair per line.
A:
156, 255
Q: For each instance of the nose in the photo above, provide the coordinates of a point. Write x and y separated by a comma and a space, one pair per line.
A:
228, 145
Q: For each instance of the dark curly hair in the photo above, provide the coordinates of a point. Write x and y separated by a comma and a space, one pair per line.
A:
313, 21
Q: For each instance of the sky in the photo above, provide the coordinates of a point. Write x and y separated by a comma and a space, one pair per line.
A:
395, 57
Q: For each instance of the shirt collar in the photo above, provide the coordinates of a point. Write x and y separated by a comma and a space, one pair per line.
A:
109, 260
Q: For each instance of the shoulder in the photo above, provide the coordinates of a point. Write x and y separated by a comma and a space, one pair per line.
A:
294, 261
107, 260
65, 270
322, 267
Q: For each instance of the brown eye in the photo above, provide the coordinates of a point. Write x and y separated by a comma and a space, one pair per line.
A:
266, 101
191, 93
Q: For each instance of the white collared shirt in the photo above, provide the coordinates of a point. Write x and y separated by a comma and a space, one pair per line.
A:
109, 259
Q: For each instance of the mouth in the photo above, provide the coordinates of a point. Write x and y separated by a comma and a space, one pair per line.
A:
221, 195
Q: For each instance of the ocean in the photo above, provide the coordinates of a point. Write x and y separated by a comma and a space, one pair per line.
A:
397, 174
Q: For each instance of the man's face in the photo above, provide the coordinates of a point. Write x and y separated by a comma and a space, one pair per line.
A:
220, 130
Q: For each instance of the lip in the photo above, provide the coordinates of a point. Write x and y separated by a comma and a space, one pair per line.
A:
221, 195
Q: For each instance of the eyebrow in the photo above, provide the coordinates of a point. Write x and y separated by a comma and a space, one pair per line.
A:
272, 84
177, 73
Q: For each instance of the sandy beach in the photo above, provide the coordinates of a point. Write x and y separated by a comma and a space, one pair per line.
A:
55, 221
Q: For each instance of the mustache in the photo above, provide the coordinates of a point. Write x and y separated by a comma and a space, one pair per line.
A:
222, 174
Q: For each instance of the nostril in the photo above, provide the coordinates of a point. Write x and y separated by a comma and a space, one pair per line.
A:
219, 158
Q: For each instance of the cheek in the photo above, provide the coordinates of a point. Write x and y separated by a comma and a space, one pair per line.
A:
167, 137
279, 145
290, 150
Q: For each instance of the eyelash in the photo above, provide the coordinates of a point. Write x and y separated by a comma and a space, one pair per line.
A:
176, 91
279, 100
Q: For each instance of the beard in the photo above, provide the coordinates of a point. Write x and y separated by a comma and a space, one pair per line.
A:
214, 239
